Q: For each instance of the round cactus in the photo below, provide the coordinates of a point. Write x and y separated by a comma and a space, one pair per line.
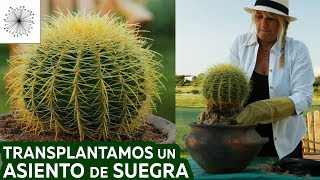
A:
91, 75
225, 88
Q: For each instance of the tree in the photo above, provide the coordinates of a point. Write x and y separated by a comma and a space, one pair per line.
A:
197, 80
180, 80
316, 82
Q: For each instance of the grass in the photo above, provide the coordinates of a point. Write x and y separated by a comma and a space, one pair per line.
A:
186, 89
184, 115
188, 108
316, 98
189, 100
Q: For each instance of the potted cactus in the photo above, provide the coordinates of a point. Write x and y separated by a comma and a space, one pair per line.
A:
216, 142
91, 76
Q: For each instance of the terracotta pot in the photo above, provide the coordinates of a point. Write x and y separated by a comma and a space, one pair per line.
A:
223, 148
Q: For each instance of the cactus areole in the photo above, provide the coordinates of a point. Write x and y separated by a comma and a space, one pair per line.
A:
225, 88
91, 75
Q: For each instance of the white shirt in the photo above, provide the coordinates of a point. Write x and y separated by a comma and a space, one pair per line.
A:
294, 80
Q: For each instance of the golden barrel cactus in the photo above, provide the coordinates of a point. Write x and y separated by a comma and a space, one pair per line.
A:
91, 75
225, 88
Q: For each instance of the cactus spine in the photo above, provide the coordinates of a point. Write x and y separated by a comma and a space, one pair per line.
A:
225, 88
90, 75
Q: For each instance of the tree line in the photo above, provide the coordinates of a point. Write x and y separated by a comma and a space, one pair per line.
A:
316, 84
183, 80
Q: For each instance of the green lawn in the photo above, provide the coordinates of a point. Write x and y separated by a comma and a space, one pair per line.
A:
186, 89
189, 100
184, 115
316, 98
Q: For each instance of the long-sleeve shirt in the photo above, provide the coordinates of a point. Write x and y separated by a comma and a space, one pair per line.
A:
294, 80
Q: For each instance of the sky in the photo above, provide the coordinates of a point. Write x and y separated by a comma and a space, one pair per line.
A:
205, 30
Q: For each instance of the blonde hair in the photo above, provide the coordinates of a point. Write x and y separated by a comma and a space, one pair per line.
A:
282, 32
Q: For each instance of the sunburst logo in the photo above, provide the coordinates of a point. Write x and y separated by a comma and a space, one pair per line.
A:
19, 21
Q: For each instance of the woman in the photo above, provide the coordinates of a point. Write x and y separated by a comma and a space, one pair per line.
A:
281, 75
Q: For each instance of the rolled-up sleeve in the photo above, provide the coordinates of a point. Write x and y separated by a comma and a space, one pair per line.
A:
302, 79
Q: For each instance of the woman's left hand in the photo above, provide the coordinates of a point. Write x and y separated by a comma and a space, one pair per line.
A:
266, 111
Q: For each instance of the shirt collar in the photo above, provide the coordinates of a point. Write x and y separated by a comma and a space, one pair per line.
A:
253, 40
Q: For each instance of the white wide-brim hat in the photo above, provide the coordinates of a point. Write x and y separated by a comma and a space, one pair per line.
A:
280, 7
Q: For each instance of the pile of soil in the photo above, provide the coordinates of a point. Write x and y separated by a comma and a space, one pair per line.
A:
12, 130
273, 168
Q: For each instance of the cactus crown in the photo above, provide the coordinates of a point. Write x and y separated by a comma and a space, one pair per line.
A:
90, 75
225, 86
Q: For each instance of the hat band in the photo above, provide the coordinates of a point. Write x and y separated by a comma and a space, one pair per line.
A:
273, 5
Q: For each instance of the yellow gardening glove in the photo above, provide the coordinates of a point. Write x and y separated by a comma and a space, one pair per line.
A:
266, 111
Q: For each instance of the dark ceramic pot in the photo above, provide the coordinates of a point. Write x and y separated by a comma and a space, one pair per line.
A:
223, 148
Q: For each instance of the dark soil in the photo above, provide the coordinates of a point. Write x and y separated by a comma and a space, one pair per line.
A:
12, 130
272, 168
